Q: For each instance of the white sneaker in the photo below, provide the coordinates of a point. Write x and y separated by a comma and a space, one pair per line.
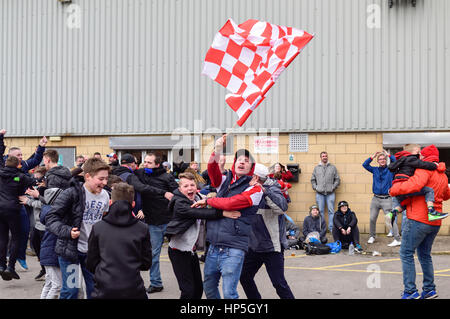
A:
371, 240
390, 234
395, 243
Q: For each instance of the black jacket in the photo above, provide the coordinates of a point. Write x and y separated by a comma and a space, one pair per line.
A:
407, 166
58, 177
119, 248
66, 213
183, 216
341, 220
155, 205
133, 180
13, 183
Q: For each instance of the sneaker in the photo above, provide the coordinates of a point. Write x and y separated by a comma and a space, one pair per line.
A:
428, 294
371, 240
390, 234
2, 274
152, 289
40, 276
414, 295
390, 217
436, 215
358, 248
23, 263
395, 243
10, 273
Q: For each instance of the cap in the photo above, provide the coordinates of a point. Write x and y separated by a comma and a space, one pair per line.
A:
312, 207
342, 203
167, 165
127, 159
114, 155
261, 170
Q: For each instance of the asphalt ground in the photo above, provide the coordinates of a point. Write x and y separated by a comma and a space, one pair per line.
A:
333, 276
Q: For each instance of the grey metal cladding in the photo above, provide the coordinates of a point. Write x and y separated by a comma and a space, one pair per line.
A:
134, 66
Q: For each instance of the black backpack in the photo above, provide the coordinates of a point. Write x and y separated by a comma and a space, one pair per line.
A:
316, 248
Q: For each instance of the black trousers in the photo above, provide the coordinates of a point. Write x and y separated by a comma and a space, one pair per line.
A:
187, 271
274, 263
9, 222
36, 240
346, 239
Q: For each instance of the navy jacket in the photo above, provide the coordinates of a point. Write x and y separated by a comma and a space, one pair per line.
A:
233, 233
382, 177
47, 255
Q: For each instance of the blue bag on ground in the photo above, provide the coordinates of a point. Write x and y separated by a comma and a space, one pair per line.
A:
335, 247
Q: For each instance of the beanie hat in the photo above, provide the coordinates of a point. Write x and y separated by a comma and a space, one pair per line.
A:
261, 170
313, 206
430, 153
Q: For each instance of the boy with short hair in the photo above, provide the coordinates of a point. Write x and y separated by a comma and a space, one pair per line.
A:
71, 218
119, 248
407, 161
184, 230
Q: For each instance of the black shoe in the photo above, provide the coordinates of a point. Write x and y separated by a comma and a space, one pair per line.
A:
40, 276
152, 289
10, 273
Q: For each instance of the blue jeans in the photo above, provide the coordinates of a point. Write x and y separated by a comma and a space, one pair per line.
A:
24, 232
417, 236
329, 201
71, 277
222, 262
428, 192
157, 239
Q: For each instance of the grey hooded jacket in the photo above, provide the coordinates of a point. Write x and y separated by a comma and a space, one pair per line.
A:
325, 178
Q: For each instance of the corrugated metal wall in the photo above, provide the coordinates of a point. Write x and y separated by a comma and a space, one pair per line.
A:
133, 66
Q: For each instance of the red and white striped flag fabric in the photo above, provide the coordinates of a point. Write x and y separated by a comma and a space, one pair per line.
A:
248, 58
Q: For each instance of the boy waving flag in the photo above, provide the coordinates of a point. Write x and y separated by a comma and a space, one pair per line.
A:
248, 58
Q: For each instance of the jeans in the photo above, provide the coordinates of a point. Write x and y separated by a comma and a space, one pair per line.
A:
71, 277
222, 262
428, 192
24, 232
274, 262
329, 201
157, 240
417, 236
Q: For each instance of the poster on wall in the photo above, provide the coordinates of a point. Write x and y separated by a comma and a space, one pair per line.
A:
266, 144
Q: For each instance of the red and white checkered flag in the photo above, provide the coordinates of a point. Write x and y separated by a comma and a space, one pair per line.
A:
248, 58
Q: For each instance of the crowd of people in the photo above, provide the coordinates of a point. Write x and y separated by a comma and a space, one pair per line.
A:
107, 221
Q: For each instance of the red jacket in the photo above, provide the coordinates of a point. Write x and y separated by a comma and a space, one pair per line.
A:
416, 207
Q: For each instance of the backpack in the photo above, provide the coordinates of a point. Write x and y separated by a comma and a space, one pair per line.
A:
316, 248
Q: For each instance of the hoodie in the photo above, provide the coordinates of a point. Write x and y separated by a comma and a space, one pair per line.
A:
13, 183
119, 248
58, 177
233, 193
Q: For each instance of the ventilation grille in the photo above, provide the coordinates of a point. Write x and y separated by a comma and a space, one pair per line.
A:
298, 142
